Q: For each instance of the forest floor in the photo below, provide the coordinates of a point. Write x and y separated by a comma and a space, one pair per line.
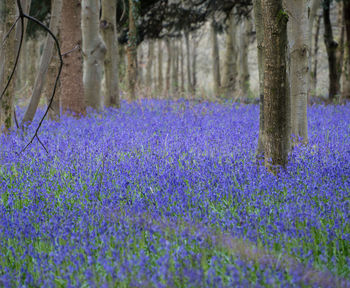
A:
169, 194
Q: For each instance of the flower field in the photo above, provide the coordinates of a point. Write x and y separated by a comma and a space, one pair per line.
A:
169, 194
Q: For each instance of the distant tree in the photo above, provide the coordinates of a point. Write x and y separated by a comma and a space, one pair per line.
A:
275, 84
215, 59
346, 81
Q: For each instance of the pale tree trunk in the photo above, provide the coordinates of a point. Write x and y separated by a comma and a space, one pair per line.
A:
261, 64
160, 66
2, 34
139, 66
244, 77
331, 46
72, 92
299, 40
346, 77
54, 112
56, 6
121, 63
275, 84
109, 34
188, 62
94, 51
174, 74
215, 59
341, 48
168, 68
150, 56
315, 57
182, 67
230, 64
194, 64
7, 101
132, 51
314, 6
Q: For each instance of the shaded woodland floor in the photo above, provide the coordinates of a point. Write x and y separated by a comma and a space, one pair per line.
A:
169, 194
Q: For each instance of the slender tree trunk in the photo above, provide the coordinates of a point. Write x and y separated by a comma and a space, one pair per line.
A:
346, 77
168, 68
54, 112
315, 56
341, 48
121, 63
182, 67
139, 66
72, 93
261, 64
132, 51
188, 62
331, 46
150, 60
299, 66
7, 101
175, 74
108, 28
2, 54
160, 66
275, 84
215, 59
56, 7
194, 64
230, 64
244, 77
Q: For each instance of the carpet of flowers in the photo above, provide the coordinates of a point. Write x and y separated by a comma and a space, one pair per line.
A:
169, 194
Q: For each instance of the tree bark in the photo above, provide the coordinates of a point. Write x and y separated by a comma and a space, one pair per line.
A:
121, 63
298, 34
230, 64
108, 28
168, 68
261, 64
175, 72
72, 93
346, 77
215, 59
160, 66
188, 62
315, 57
275, 84
331, 46
150, 59
7, 101
132, 51
194, 64
182, 67
56, 7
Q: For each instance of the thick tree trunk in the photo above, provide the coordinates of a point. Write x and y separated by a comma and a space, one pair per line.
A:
72, 93
56, 7
346, 77
331, 46
132, 51
275, 84
188, 62
215, 60
299, 48
230, 64
109, 34
94, 51
150, 56
7, 101
261, 64
160, 66
244, 77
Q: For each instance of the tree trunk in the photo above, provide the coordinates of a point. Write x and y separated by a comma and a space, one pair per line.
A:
194, 65
175, 72
150, 56
331, 46
244, 77
94, 51
2, 55
261, 64
168, 68
230, 64
121, 63
132, 51
299, 48
109, 34
7, 101
315, 57
56, 7
188, 62
182, 67
275, 84
160, 66
341, 41
72, 93
215, 59
139, 66
346, 77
